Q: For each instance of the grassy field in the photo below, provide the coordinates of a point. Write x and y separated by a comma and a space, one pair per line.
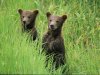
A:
81, 33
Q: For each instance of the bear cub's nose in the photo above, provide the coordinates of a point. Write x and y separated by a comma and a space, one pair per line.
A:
24, 22
52, 26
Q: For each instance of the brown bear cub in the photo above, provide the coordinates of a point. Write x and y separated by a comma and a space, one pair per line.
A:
52, 42
28, 21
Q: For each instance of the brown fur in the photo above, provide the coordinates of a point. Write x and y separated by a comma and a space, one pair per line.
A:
28, 21
53, 43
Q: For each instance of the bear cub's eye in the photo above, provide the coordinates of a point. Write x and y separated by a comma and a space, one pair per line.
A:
50, 20
23, 16
29, 17
57, 21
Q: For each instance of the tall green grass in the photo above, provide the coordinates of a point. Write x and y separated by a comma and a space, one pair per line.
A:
81, 34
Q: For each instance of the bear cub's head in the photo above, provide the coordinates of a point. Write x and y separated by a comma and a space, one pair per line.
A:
55, 22
28, 17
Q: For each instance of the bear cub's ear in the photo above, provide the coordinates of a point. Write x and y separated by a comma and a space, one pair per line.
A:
64, 17
48, 14
36, 11
20, 11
